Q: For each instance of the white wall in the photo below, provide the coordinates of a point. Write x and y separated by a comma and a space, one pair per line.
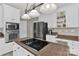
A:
23, 28
50, 19
30, 27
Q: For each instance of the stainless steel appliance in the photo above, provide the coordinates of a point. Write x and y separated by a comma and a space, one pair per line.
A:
12, 31
12, 26
40, 30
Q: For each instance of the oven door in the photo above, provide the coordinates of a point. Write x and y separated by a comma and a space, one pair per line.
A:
13, 36
10, 27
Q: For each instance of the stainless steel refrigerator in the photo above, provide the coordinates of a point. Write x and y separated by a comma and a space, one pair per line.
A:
40, 30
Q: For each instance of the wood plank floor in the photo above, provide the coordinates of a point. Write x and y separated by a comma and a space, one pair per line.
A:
11, 54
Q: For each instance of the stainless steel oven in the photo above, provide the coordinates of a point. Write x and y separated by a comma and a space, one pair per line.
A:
12, 31
11, 36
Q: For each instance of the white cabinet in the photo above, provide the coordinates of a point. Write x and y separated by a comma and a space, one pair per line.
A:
5, 47
1, 16
72, 16
20, 51
2, 41
0, 11
23, 29
74, 47
11, 14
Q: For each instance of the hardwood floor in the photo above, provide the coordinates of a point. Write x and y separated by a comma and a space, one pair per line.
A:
11, 54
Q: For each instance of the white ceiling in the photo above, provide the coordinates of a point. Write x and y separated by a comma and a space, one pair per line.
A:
22, 6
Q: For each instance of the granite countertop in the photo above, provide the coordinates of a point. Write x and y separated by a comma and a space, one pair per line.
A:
52, 49
67, 37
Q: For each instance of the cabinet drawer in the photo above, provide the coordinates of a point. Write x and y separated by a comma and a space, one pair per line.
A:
5, 48
20, 51
62, 42
2, 41
25, 52
74, 44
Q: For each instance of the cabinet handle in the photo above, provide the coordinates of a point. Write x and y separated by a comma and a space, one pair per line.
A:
18, 48
14, 50
72, 48
13, 44
28, 55
13, 19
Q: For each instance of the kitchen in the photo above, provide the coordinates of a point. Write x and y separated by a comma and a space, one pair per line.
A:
50, 30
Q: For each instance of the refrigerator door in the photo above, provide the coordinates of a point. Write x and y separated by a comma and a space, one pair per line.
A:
40, 30
36, 30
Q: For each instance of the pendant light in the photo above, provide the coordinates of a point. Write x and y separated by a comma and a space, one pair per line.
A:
48, 8
34, 13
25, 15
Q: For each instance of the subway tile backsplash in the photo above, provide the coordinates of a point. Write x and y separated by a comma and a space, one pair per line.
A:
67, 31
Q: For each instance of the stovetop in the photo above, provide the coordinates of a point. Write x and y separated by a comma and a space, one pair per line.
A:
35, 43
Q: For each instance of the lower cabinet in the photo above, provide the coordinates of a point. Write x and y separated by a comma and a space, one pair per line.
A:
5, 47
20, 51
73, 45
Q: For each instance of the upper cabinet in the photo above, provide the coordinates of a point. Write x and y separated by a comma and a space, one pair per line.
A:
11, 14
72, 16
1, 17
0, 11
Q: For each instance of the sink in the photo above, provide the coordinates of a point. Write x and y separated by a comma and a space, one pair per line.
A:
35, 43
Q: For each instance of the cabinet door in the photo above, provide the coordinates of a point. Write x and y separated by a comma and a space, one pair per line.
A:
16, 15
72, 16
19, 51
1, 16
69, 17
11, 14
0, 11
8, 10
2, 42
23, 29
1, 23
5, 48
74, 47
24, 52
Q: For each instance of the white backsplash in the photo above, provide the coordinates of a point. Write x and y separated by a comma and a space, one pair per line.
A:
67, 31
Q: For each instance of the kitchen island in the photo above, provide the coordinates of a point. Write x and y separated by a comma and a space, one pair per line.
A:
52, 49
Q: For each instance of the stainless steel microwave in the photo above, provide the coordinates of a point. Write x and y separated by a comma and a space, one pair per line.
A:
12, 26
